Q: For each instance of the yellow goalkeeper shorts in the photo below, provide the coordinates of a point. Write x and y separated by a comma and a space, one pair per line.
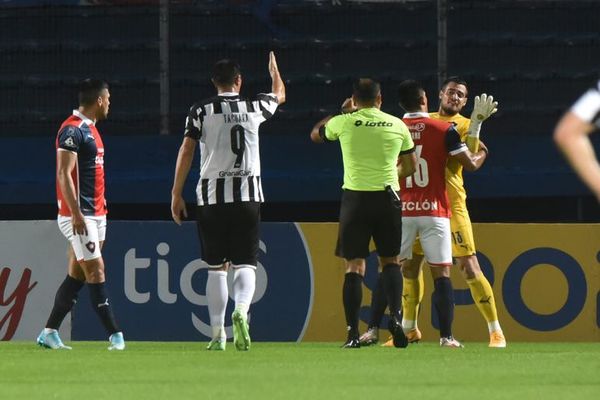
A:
463, 242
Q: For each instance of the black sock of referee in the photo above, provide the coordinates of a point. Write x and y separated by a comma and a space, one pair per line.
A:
102, 307
392, 284
352, 298
65, 299
443, 301
378, 303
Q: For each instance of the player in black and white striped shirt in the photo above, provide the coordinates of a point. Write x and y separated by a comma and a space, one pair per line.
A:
571, 136
229, 191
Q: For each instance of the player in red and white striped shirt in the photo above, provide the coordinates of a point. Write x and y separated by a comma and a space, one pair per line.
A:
426, 209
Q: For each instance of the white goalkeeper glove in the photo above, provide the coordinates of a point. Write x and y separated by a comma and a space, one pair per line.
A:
483, 107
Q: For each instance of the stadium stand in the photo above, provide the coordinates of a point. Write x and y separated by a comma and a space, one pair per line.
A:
516, 51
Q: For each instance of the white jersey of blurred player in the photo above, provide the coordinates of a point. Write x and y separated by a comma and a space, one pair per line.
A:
425, 205
571, 136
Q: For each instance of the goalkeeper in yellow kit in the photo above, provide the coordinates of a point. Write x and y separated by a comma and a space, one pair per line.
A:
453, 98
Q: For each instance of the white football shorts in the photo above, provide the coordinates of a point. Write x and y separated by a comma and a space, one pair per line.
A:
435, 237
86, 247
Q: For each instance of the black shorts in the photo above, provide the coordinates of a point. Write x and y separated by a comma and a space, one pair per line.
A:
229, 232
366, 215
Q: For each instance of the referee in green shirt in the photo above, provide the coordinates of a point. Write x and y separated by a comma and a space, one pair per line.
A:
377, 149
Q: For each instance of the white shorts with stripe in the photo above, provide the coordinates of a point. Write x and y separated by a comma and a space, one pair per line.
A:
85, 247
434, 233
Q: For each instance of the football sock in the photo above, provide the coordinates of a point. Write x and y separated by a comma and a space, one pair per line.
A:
483, 295
410, 303
102, 307
244, 284
443, 301
65, 299
352, 298
392, 284
421, 281
217, 294
378, 303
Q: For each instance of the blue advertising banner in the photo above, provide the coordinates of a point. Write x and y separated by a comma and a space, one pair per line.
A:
156, 284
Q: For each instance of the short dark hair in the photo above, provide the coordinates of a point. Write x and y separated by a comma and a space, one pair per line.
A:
409, 95
454, 79
225, 71
366, 90
90, 90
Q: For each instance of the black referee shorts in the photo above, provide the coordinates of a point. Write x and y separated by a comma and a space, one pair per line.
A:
229, 232
366, 215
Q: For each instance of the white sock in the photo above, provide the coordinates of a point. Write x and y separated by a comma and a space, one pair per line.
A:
244, 284
49, 330
217, 295
494, 326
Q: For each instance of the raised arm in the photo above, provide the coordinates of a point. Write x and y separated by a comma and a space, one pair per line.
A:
315, 134
483, 107
277, 86
182, 169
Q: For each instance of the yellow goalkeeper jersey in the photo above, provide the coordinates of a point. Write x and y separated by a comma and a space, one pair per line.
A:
454, 179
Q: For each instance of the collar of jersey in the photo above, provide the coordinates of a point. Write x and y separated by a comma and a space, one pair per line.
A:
419, 114
229, 94
83, 117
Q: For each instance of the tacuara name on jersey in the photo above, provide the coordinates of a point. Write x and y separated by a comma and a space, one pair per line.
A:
241, 172
235, 118
424, 205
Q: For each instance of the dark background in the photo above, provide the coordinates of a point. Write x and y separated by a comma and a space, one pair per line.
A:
535, 57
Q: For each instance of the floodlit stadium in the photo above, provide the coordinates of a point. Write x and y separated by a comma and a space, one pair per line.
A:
149, 249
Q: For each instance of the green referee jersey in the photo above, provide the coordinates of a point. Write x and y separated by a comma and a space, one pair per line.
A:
371, 142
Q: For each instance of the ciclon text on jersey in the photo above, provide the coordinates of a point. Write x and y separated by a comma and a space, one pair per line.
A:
419, 205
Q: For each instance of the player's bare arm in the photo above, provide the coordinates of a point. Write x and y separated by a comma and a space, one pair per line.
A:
278, 86
348, 106
66, 163
572, 138
182, 169
471, 161
315, 136
407, 165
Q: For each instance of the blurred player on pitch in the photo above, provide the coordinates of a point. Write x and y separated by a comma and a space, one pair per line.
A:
571, 136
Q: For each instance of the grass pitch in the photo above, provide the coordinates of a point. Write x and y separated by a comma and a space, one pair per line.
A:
173, 371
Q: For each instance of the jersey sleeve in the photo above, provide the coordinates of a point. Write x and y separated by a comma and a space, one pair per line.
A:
70, 138
454, 144
193, 122
333, 128
268, 104
588, 106
408, 146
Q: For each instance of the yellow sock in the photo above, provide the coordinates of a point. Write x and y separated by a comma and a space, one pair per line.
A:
482, 293
410, 303
421, 287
